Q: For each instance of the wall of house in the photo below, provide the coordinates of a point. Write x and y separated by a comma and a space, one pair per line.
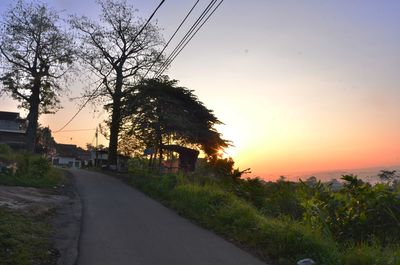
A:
15, 140
66, 161
10, 125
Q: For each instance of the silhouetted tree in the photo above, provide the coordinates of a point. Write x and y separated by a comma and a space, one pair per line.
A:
117, 54
45, 141
35, 53
159, 112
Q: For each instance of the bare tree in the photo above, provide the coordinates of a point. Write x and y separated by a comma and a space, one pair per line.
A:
118, 50
35, 54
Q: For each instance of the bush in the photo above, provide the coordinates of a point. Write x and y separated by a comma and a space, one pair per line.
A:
371, 255
284, 241
275, 199
32, 171
357, 213
288, 221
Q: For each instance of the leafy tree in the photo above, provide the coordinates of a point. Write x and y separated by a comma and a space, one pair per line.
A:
359, 212
118, 50
159, 112
45, 141
389, 176
35, 55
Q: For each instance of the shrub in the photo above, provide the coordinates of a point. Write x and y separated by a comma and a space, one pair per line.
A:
284, 241
367, 254
359, 212
32, 170
288, 221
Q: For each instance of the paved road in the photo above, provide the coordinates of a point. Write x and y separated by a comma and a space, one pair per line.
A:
122, 226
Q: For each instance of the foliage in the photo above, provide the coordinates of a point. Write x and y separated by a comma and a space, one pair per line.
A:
371, 254
286, 221
45, 141
159, 112
390, 177
35, 53
23, 239
284, 241
117, 54
359, 212
6, 153
32, 171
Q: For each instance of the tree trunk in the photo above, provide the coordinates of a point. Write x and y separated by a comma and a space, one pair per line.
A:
161, 155
151, 160
115, 123
33, 117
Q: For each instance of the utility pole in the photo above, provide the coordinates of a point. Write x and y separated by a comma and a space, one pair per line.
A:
97, 148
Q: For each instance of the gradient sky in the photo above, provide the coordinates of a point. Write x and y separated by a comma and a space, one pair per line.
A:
300, 85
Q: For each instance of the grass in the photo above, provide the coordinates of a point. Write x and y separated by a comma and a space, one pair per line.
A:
283, 241
32, 170
50, 179
371, 255
24, 240
269, 223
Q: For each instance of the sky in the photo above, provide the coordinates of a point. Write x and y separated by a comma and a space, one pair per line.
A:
300, 85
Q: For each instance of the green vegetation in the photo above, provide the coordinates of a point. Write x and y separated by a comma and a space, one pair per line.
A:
26, 169
286, 221
159, 112
23, 239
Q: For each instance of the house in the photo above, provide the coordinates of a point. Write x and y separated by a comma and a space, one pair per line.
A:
12, 130
99, 158
69, 155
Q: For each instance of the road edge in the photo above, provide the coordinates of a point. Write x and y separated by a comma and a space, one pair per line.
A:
67, 223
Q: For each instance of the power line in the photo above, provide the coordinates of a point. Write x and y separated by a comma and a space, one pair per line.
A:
94, 92
170, 39
191, 37
188, 39
184, 38
148, 21
80, 109
76, 130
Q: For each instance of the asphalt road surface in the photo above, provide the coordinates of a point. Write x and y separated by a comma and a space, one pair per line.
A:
122, 226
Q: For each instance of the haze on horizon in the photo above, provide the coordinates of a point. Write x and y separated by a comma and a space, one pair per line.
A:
300, 85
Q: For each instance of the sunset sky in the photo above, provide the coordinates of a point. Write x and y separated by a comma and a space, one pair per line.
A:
300, 85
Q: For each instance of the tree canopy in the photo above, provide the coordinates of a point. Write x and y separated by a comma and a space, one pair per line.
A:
35, 53
119, 50
159, 112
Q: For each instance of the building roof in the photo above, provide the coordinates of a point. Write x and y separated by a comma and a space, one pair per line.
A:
67, 150
71, 150
12, 131
9, 116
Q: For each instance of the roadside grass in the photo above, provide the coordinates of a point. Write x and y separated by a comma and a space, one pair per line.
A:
24, 240
284, 241
29, 170
50, 179
364, 254
25, 237
274, 229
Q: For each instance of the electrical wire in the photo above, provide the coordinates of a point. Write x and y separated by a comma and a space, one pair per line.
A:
94, 92
80, 109
75, 130
190, 39
170, 39
186, 36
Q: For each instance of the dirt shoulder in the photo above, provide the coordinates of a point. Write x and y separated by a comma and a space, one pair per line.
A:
61, 205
